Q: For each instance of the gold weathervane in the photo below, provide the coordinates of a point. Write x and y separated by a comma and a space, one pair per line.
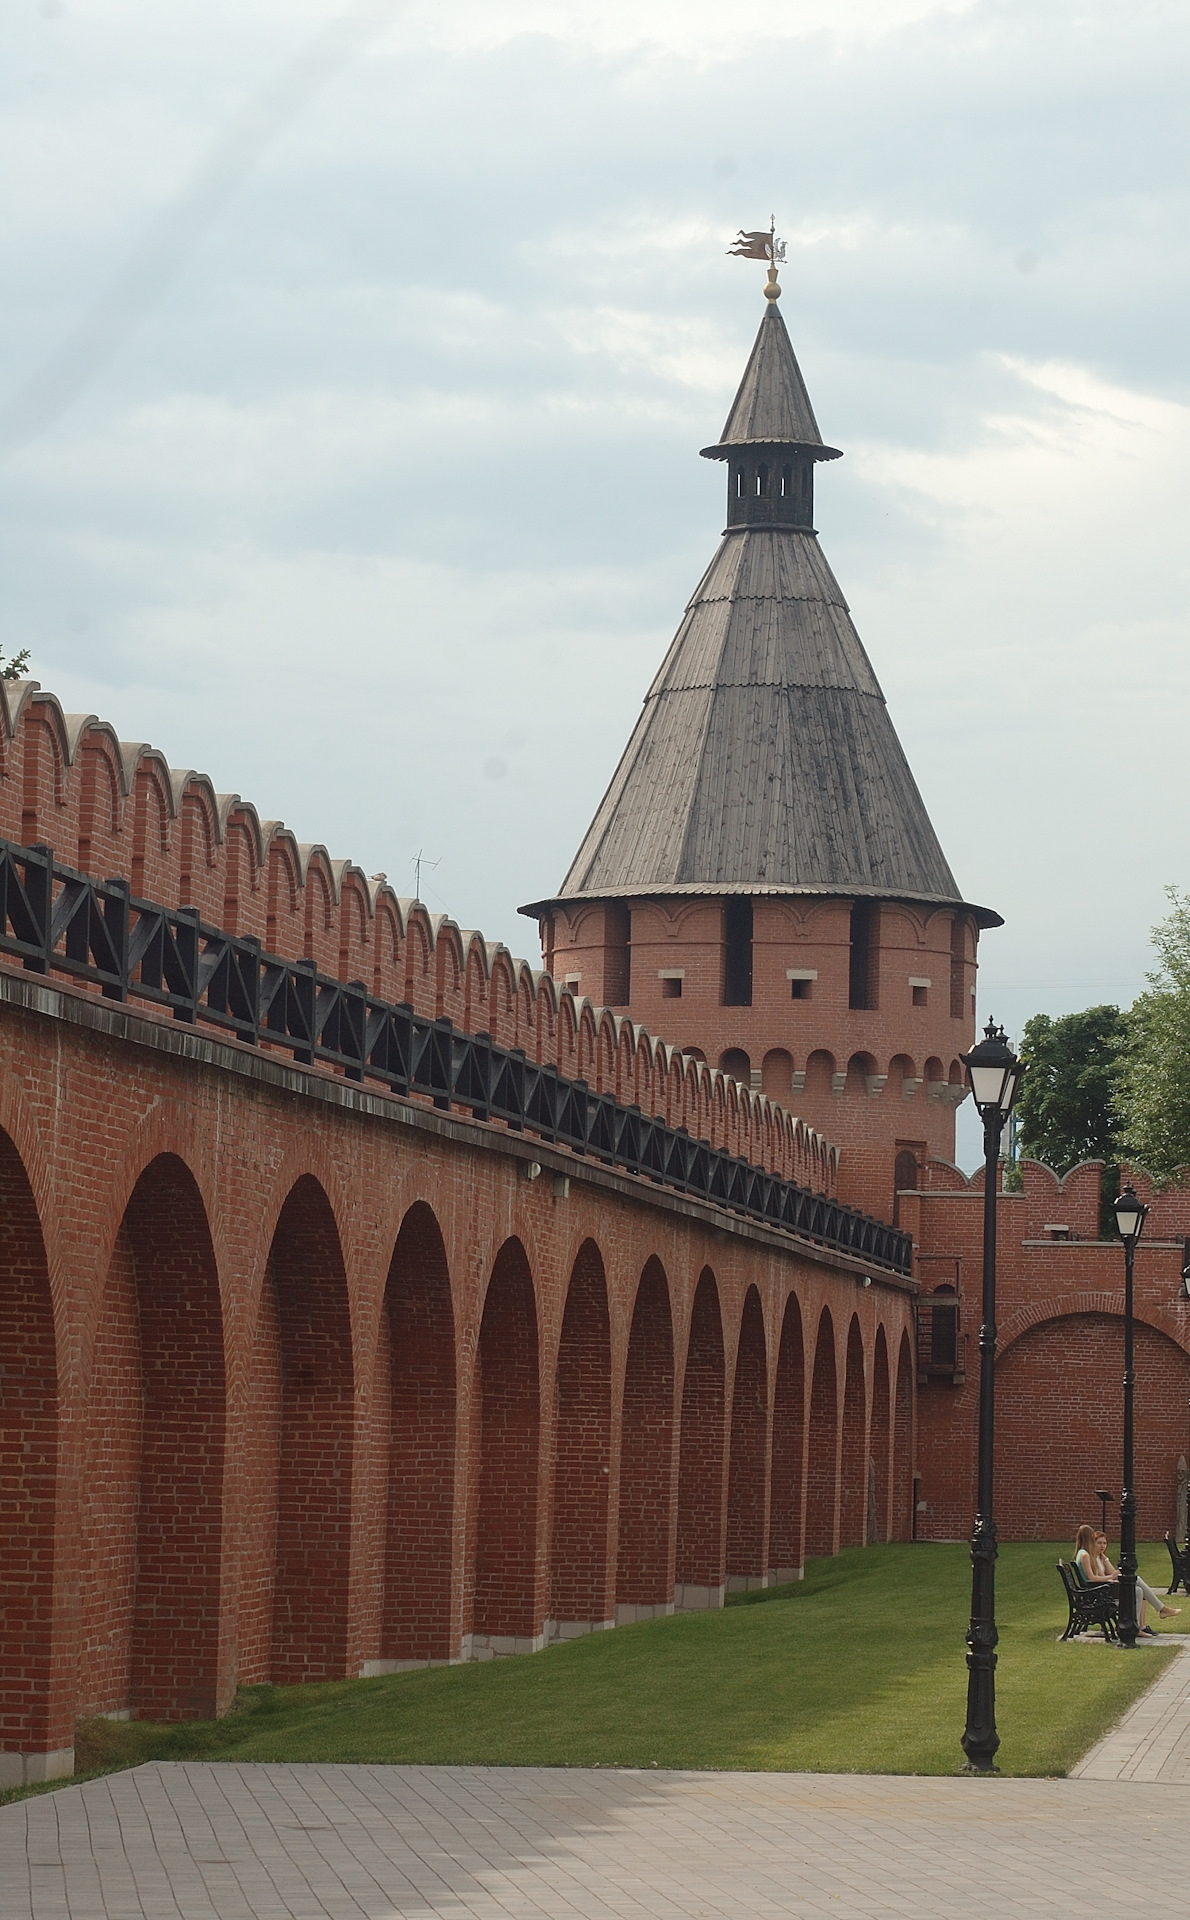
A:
762, 246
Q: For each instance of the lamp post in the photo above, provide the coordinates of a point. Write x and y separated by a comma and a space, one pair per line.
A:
1186, 1297
995, 1074
1130, 1219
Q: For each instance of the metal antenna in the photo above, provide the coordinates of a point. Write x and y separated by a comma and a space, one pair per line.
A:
417, 863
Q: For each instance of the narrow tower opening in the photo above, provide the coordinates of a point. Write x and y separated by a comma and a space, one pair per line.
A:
617, 954
737, 952
958, 970
862, 986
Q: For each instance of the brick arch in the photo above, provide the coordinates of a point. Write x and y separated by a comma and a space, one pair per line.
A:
580, 1593
1071, 1366
152, 1511
644, 1580
853, 1499
305, 1395
1106, 1300
505, 1598
901, 1475
30, 1717
699, 1563
166, 1131
746, 1478
789, 1430
417, 1353
879, 1445
822, 1465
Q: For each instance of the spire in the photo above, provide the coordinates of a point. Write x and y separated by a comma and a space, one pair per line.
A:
764, 760
772, 407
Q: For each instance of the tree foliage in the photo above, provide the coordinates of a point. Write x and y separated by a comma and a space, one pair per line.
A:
1153, 1077
14, 668
1065, 1106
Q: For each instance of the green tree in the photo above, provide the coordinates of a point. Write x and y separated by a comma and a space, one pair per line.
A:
1153, 1077
1066, 1103
14, 669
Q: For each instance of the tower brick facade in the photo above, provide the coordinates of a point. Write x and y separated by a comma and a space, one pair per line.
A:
761, 882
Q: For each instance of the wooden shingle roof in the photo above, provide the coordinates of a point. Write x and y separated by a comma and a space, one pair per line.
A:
764, 759
771, 406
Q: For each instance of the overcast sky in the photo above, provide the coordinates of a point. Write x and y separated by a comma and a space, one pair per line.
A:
355, 364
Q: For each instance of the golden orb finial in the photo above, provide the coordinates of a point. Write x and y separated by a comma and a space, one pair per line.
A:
772, 289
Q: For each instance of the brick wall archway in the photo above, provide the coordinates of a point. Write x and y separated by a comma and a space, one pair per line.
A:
903, 1485
152, 1519
822, 1466
307, 1367
644, 1565
28, 1473
746, 1488
417, 1378
1047, 1469
506, 1606
880, 1444
853, 1497
699, 1563
788, 1449
580, 1592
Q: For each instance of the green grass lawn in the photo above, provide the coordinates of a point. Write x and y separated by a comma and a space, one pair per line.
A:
858, 1668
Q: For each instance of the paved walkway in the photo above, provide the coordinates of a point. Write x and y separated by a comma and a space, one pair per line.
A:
1152, 1741
227, 1842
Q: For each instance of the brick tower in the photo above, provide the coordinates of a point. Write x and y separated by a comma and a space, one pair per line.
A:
761, 883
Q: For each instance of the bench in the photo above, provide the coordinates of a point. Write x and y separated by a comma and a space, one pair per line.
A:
1090, 1606
1181, 1564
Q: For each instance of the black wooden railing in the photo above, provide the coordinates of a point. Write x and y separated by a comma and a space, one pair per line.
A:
55, 920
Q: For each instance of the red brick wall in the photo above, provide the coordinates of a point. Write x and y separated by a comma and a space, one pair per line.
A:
314, 1491
336, 1382
1059, 1306
822, 1467
1059, 1427
419, 1385
645, 1571
510, 1417
746, 1483
880, 1448
120, 810
579, 1588
701, 1513
28, 1444
853, 1505
176, 1613
789, 1437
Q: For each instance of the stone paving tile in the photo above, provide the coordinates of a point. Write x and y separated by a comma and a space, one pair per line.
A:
227, 1842
1152, 1741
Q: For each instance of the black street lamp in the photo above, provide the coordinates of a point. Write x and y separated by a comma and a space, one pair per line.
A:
1130, 1219
1186, 1297
995, 1074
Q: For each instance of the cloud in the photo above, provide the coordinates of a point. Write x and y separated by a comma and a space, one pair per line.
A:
386, 476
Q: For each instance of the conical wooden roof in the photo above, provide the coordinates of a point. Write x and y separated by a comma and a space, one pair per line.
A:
771, 405
764, 760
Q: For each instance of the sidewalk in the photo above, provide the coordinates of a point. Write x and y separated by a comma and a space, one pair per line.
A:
228, 1842
1152, 1741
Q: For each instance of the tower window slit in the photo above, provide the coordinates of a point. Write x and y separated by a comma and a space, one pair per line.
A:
958, 970
862, 983
617, 954
737, 952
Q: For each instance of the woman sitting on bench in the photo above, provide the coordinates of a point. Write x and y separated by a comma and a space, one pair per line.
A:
1097, 1570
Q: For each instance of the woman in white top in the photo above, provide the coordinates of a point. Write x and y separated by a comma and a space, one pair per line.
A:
1098, 1571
